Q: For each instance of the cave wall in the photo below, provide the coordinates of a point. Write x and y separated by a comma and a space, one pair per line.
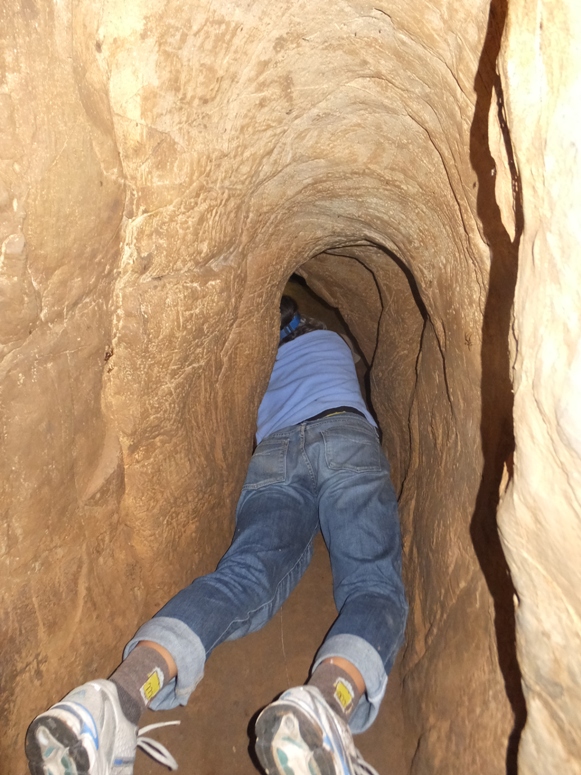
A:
540, 513
425, 405
164, 167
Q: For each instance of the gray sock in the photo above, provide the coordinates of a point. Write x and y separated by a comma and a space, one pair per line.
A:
138, 679
337, 687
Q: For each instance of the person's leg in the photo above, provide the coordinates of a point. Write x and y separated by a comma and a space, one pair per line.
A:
275, 525
360, 524
340, 683
141, 677
359, 521
307, 727
276, 521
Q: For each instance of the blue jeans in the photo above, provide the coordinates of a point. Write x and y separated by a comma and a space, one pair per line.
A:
328, 474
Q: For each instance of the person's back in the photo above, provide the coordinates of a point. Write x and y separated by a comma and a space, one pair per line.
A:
311, 374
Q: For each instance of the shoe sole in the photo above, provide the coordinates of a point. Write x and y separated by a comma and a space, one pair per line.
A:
267, 726
72, 751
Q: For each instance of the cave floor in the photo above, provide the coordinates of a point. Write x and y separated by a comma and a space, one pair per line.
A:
243, 676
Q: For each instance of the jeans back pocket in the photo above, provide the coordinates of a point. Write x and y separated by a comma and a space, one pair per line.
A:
268, 464
350, 449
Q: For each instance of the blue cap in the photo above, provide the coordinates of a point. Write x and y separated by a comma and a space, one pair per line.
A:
292, 326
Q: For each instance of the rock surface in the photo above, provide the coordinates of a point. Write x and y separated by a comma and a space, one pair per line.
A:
540, 515
164, 168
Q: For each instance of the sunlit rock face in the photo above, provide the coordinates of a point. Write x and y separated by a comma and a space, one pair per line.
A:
164, 168
540, 516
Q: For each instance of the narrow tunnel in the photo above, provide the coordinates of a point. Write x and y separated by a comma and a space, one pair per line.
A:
384, 159
366, 293
454, 561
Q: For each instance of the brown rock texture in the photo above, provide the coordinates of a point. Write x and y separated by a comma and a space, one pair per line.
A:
540, 515
164, 168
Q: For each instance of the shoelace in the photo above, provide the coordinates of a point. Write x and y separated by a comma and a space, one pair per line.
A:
361, 767
156, 750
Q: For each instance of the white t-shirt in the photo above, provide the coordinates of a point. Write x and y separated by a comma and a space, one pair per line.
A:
311, 374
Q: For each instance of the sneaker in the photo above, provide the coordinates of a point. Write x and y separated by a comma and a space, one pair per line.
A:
86, 733
299, 734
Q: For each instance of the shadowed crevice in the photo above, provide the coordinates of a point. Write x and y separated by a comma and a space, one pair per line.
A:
497, 399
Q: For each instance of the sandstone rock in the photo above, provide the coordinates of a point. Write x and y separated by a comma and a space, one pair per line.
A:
540, 516
164, 168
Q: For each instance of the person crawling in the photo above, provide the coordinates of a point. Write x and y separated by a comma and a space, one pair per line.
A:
318, 465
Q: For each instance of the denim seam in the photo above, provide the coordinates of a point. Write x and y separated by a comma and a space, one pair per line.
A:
268, 602
306, 459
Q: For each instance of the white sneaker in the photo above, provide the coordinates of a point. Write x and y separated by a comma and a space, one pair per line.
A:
299, 734
86, 733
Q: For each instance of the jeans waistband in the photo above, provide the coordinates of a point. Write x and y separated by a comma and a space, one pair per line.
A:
335, 410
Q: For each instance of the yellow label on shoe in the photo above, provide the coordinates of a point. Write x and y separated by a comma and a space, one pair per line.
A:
343, 693
152, 686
